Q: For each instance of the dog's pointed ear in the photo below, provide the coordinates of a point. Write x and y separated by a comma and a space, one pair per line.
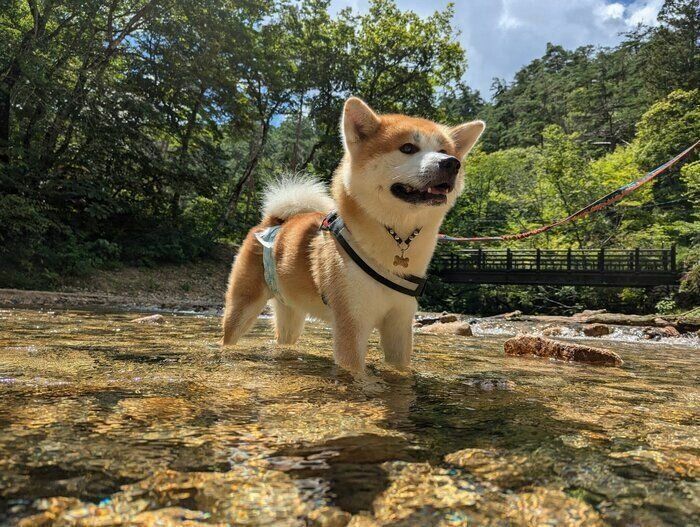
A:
466, 135
359, 121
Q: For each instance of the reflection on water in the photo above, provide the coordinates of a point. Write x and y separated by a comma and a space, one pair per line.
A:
105, 422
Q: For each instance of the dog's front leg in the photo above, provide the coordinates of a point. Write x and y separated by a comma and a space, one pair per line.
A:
396, 335
350, 336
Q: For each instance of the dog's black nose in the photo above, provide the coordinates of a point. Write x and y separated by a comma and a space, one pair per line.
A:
450, 165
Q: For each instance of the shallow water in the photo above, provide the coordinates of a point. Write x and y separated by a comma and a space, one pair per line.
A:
106, 422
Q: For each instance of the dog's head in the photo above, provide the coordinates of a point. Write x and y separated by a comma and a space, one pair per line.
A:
403, 164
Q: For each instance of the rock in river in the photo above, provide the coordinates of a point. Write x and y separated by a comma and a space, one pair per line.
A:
543, 347
596, 330
462, 329
659, 333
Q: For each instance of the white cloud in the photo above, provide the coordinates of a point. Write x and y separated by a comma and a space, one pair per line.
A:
501, 36
643, 12
614, 11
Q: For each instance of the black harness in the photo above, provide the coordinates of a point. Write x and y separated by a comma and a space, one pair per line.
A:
408, 285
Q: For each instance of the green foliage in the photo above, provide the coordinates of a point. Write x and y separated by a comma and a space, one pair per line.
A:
142, 131
667, 127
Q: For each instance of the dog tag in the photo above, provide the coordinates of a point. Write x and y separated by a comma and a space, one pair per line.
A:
400, 260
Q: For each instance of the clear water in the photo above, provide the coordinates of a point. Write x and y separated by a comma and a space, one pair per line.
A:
106, 422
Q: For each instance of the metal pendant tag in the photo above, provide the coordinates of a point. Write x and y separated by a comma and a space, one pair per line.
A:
400, 260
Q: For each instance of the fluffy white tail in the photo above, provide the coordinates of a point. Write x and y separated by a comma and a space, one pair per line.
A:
295, 195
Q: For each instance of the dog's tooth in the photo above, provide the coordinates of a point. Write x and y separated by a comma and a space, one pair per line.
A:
437, 190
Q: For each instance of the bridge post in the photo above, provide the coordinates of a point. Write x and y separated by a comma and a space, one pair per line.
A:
479, 256
673, 257
601, 260
637, 263
538, 259
568, 259
509, 259
664, 259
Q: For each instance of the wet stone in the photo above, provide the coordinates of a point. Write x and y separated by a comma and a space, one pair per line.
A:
550, 507
660, 333
596, 330
570, 352
462, 329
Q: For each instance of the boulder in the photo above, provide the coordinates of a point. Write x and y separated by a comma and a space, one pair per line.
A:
513, 315
462, 329
570, 352
446, 319
596, 330
151, 319
660, 333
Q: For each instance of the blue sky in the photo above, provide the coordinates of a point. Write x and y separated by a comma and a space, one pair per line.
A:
500, 36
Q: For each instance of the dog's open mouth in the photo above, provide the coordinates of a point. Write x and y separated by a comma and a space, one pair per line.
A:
432, 195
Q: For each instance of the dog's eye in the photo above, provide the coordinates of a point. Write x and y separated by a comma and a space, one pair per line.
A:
409, 148
443, 151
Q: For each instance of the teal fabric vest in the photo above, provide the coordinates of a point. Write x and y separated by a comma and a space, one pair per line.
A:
267, 240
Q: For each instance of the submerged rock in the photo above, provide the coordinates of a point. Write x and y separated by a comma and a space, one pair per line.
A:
447, 318
329, 517
596, 330
543, 347
543, 506
494, 466
151, 319
462, 329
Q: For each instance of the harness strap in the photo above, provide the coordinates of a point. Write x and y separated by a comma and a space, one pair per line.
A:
267, 240
408, 285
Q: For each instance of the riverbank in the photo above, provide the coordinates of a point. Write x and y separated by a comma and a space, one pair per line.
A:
169, 297
199, 287
196, 286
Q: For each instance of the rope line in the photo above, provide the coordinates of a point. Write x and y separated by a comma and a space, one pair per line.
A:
599, 204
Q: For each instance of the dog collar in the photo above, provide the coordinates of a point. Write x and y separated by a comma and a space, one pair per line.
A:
404, 245
408, 285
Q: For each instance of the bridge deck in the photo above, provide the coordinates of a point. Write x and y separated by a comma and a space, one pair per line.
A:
603, 267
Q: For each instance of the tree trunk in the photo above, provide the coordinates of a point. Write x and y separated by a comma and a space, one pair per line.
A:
247, 173
297, 138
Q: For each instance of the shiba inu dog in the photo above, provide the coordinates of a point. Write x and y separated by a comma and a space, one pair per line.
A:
361, 270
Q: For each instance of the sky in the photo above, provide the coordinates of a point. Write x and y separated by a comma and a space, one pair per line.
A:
500, 36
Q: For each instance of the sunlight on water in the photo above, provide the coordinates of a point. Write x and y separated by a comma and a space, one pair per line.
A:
107, 422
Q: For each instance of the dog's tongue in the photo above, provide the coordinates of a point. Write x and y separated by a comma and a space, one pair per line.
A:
437, 190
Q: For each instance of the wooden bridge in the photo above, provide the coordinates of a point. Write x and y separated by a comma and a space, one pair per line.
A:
601, 267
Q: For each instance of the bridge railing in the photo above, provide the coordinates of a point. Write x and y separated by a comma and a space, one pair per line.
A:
571, 260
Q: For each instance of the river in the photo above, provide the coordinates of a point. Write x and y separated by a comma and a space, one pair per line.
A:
107, 422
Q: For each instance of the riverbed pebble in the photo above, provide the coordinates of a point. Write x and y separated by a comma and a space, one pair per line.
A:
151, 319
570, 352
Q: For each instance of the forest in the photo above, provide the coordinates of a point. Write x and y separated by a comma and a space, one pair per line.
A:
138, 132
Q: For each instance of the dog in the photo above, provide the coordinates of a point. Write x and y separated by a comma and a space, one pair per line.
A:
398, 178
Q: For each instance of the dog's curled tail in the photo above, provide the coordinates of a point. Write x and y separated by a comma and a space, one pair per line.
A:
293, 195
